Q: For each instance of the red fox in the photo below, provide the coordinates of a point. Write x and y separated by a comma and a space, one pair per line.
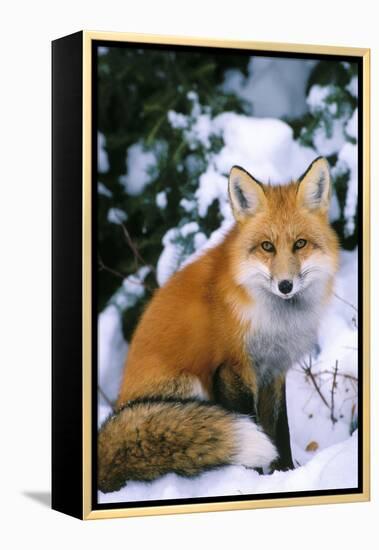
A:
204, 380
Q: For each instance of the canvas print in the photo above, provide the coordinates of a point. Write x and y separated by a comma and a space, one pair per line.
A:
226, 274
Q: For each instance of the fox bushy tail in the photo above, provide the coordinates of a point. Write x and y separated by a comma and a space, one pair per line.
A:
149, 438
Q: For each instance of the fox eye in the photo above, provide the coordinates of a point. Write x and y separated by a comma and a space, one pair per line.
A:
300, 243
267, 246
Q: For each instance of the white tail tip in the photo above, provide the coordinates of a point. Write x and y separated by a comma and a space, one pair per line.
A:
254, 448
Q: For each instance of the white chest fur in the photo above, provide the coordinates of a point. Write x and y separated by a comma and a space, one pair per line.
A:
282, 331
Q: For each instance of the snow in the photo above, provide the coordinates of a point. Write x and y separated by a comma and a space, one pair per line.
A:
338, 340
187, 205
317, 96
212, 186
131, 290
197, 127
169, 259
348, 162
234, 83
328, 142
274, 87
200, 131
102, 50
112, 350
263, 146
189, 228
352, 87
352, 125
200, 240
133, 286
102, 156
330, 134
116, 215
112, 347
103, 190
334, 210
161, 200
177, 120
333, 135
333, 468
216, 237
140, 164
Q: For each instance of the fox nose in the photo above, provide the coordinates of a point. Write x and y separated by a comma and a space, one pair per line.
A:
285, 286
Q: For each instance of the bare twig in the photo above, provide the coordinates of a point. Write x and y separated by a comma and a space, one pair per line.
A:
354, 318
318, 380
308, 371
103, 267
106, 399
140, 283
134, 249
342, 374
346, 302
332, 393
353, 417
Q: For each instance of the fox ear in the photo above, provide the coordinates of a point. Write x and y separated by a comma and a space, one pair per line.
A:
315, 186
246, 194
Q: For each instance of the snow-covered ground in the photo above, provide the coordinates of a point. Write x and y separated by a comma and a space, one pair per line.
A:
322, 390
333, 468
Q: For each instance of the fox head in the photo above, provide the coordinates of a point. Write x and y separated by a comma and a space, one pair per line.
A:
285, 245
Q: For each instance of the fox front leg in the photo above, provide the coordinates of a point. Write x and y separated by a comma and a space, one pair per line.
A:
272, 415
235, 388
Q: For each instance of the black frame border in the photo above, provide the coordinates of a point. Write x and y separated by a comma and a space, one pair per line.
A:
67, 258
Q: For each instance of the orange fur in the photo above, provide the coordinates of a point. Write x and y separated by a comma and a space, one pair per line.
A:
188, 328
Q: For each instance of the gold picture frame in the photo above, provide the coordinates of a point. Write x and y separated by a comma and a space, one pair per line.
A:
77, 50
